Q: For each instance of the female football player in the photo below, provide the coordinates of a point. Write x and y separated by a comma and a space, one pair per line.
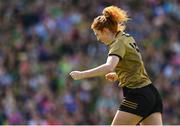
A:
142, 103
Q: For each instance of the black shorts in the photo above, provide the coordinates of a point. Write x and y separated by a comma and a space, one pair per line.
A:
141, 101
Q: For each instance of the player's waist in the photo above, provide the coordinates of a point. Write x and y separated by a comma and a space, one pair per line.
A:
133, 85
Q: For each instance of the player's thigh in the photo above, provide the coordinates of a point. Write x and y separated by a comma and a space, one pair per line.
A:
153, 119
125, 118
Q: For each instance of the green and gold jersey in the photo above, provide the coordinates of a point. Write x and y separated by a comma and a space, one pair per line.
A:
130, 69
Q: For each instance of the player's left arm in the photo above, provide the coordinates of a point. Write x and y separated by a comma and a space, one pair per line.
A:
103, 69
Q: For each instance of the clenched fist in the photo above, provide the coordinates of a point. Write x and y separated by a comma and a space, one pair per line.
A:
76, 75
111, 76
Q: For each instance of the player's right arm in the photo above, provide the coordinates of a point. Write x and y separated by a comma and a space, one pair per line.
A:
103, 69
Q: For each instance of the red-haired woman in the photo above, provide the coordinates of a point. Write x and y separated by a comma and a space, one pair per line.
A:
142, 103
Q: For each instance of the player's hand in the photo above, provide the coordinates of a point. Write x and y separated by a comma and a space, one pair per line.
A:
76, 75
111, 77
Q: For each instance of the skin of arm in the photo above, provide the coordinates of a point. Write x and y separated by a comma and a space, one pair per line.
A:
103, 69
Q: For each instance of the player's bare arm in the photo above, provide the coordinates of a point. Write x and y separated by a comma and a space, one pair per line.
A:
103, 69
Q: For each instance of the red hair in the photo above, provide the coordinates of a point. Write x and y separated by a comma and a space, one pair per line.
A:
111, 19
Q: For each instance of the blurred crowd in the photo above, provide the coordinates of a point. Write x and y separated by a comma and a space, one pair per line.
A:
41, 41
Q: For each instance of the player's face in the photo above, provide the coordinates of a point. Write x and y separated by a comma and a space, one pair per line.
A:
98, 35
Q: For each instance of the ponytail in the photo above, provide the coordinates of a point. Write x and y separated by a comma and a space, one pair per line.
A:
117, 15
113, 18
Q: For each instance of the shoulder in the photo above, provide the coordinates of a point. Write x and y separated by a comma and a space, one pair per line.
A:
117, 43
126, 38
117, 46
122, 39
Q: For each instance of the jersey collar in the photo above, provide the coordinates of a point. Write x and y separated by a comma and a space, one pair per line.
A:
119, 33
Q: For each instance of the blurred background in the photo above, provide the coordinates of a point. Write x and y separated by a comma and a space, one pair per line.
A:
41, 41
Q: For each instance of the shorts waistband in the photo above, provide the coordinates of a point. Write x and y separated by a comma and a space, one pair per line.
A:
126, 89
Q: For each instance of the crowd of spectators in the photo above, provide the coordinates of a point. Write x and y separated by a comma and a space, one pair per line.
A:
41, 41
